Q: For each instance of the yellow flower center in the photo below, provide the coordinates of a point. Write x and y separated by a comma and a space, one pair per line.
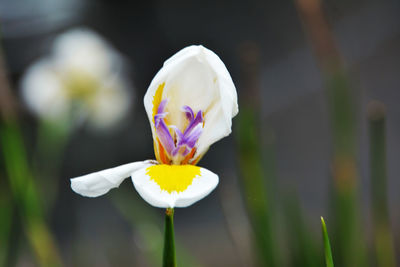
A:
80, 86
173, 177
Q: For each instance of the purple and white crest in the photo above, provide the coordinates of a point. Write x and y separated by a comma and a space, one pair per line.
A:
182, 143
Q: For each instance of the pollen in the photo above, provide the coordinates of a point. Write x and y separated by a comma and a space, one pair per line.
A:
173, 177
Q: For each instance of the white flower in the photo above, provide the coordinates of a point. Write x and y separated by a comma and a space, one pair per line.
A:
190, 105
82, 78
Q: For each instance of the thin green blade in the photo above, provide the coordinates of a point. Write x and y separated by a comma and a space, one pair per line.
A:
327, 245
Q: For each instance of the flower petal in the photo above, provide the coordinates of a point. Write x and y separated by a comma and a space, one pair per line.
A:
168, 186
43, 91
195, 77
84, 50
110, 103
99, 183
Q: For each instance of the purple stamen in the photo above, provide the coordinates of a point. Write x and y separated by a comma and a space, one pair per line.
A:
191, 134
158, 118
191, 139
194, 123
179, 134
185, 141
165, 136
189, 112
161, 106
161, 128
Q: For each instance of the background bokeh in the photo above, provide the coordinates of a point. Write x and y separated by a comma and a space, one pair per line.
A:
280, 76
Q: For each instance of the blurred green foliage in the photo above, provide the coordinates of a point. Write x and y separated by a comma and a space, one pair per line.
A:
26, 196
254, 187
383, 237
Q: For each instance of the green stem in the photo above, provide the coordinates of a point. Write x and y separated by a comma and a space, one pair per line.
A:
384, 249
169, 258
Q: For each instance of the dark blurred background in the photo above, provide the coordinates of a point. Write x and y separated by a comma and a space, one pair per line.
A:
294, 117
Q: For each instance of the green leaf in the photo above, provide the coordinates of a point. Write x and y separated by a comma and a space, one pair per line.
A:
327, 246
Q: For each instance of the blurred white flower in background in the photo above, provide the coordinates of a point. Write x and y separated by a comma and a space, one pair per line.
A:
82, 79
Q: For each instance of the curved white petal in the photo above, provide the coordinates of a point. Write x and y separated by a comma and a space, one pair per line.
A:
196, 77
99, 183
149, 190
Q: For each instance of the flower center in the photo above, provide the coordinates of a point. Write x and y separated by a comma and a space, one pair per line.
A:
179, 146
80, 86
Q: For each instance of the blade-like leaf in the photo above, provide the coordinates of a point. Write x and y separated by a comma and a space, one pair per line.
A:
327, 245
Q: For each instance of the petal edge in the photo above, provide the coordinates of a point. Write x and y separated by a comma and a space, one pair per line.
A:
99, 183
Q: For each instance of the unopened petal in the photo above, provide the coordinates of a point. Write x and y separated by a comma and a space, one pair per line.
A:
195, 77
168, 186
99, 183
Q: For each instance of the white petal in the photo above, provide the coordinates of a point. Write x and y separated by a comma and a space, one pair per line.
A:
196, 77
110, 103
84, 50
99, 183
43, 91
150, 191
